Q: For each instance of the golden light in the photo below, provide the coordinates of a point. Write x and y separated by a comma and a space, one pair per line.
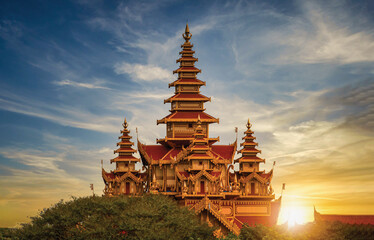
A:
294, 215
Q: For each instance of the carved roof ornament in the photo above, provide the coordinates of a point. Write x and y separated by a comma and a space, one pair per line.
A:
187, 35
124, 124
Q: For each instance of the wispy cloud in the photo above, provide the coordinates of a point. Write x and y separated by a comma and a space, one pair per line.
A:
68, 82
45, 161
62, 171
144, 72
61, 114
325, 40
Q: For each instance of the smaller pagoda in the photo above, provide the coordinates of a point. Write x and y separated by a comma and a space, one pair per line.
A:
252, 179
124, 180
249, 161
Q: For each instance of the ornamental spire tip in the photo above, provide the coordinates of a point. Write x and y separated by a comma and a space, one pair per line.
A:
187, 29
125, 123
248, 123
187, 35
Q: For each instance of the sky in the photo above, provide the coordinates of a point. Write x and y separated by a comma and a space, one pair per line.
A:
302, 71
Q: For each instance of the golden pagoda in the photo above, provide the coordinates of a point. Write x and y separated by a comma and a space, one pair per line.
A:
124, 180
189, 166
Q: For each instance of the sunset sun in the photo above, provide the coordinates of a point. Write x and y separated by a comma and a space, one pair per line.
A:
296, 216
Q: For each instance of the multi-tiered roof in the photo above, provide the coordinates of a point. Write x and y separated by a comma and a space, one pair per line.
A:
124, 179
187, 104
125, 150
249, 151
188, 165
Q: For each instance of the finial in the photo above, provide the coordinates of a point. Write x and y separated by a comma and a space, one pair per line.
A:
187, 29
248, 124
187, 35
125, 123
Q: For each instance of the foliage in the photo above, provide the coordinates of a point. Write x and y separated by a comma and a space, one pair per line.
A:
230, 236
260, 232
310, 231
158, 217
147, 217
6, 233
334, 231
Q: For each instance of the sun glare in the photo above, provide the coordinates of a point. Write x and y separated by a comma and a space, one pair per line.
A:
296, 215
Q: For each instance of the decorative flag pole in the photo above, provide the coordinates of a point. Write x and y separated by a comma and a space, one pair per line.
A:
92, 188
283, 188
236, 131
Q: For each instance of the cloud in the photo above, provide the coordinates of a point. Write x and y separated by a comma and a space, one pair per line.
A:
10, 30
320, 143
65, 115
65, 169
68, 82
143, 72
325, 40
42, 160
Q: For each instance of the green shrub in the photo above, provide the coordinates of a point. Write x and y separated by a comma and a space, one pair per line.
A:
147, 217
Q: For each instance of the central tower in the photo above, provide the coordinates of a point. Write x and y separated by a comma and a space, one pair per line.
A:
187, 104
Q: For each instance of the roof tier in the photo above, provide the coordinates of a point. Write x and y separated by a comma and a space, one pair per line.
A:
188, 116
189, 59
154, 154
187, 81
187, 97
187, 70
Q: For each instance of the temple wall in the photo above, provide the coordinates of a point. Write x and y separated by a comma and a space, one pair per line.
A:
187, 129
200, 164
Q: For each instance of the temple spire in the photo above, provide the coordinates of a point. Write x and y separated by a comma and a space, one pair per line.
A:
187, 103
249, 151
187, 35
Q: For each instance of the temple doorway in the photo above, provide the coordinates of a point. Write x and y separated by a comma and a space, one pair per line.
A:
127, 188
202, 187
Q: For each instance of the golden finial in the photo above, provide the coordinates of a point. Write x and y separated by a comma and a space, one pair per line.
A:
187, 29
125, 123
187, 35
249, 124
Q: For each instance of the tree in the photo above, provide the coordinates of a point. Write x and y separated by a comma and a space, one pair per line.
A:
147, 217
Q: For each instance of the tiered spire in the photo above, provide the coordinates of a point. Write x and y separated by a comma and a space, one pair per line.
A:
249, 151
200, 145
125, 158
187, 103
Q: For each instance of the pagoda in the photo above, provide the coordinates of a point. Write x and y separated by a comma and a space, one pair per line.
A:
124, 180
188, 165
187, 103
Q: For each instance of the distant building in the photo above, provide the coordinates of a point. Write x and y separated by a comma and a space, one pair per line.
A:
187, 164
349, 219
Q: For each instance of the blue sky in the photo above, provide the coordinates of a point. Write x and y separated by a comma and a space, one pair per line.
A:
302, 71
